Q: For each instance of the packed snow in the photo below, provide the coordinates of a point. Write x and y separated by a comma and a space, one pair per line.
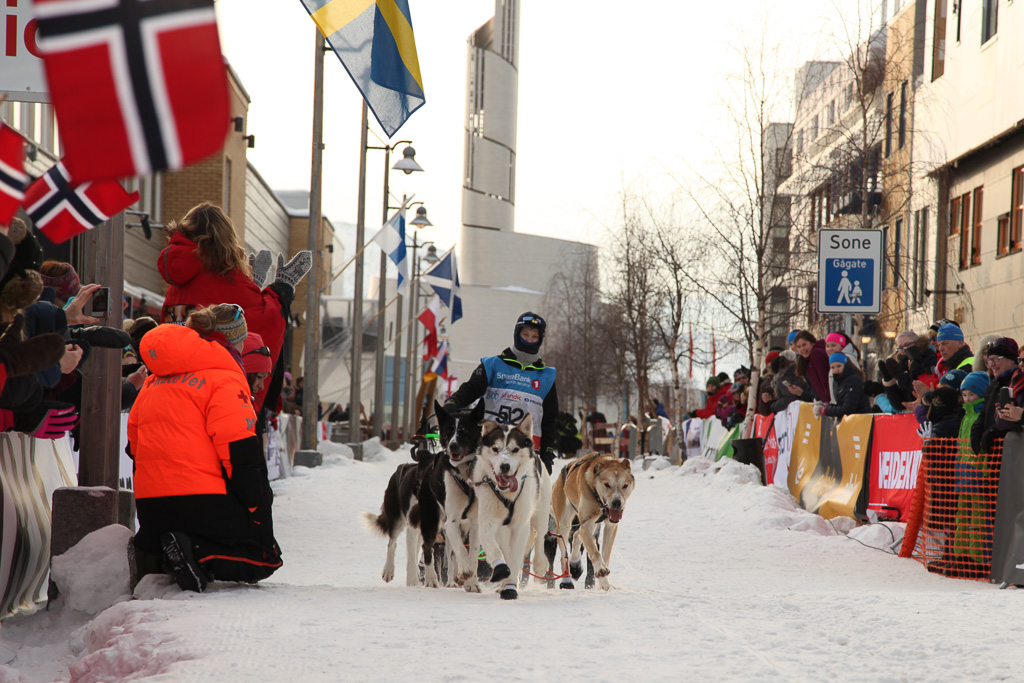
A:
715, 578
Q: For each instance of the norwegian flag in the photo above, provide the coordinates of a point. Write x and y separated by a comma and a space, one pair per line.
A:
13, 178
61, 210
138, 86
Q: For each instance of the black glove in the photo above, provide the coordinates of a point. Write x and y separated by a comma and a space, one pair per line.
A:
873, 388
103, 337
249, 480
285, 294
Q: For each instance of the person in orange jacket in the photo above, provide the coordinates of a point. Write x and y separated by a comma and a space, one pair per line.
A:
201, 488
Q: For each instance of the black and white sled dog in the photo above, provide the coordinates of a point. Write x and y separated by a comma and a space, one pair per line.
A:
398, 511
446, 496
514, 499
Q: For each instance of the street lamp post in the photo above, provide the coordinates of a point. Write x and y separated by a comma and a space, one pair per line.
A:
407, 165
420, 221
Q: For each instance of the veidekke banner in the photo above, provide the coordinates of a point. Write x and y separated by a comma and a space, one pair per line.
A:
712, 434
895, 461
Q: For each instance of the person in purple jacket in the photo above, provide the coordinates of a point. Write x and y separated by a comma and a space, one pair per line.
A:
811, 364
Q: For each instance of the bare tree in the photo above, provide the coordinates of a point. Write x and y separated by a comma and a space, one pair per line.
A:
632, 284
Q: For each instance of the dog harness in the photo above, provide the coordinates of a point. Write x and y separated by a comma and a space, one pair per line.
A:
466, 489
570, 468
510, 505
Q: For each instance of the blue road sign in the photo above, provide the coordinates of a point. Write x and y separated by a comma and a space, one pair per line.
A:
849, 271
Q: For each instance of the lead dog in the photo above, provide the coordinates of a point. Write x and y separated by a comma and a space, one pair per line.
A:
513, 500
447, 487
595, 489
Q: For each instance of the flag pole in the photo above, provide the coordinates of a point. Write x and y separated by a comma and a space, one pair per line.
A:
382, 295
311, 389
355, 403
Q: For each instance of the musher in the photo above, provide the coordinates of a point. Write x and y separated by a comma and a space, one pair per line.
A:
515, 384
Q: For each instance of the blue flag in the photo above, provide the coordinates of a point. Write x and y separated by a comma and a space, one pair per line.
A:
375, 43
444, 278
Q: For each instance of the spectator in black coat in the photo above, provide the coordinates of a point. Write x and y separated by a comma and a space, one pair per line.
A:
850, 398
1002, 362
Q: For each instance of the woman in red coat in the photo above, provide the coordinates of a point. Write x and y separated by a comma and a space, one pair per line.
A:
204, 265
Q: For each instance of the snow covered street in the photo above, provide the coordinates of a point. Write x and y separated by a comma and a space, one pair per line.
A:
716, 578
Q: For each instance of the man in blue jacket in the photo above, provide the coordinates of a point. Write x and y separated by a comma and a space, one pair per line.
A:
515, 384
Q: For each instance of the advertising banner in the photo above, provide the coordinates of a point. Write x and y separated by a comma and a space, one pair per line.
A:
805, 449
691, 431
785, 427
711, 437
1008, 533
764, 429
895, 462
725, 449
849, 446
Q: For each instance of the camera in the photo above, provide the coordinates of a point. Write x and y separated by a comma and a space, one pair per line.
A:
100, 302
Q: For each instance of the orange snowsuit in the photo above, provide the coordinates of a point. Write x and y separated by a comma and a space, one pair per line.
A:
200, 469
194, 404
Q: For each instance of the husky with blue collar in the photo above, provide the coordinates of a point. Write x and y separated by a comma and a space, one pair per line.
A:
513, 501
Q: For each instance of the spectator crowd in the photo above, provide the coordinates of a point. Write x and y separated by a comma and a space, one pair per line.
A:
952, 390
201, 384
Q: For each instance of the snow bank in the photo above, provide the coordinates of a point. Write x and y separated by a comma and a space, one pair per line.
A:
93, 575
730, 489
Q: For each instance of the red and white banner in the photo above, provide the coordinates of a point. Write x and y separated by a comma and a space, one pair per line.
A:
895, 460
764, 429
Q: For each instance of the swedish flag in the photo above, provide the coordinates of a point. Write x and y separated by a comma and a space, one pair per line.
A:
375, 43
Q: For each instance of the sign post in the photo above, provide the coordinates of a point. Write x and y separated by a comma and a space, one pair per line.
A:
850, 271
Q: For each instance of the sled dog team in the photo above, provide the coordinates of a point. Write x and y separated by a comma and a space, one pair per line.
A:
487, 489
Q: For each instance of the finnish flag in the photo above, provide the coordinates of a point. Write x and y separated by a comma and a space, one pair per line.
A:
391, 239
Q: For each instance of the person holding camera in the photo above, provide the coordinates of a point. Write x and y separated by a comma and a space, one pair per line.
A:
991, 425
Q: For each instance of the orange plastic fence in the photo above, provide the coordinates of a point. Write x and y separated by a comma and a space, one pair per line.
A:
951, 517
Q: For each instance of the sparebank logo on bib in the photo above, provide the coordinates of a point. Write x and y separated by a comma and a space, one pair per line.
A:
514, 377
849, 271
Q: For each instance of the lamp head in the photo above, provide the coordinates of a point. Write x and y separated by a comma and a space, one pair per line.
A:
408, 163
431, 256
421, 218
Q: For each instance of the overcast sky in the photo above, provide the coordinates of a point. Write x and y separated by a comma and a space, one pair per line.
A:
609, 94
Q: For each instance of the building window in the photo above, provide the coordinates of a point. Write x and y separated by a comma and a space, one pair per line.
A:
1016, 208
799, 142
814, 127
832, 113
989, 19
965, 230
959, 11
939, 41
920, 258
1003, 235
849, 96
821, 207
903, 115
812, 305
976, 232
954, 216
897, 247
888, 124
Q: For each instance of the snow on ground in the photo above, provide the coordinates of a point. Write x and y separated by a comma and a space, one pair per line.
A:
716, 578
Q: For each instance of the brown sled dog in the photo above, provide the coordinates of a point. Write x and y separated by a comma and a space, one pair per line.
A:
593, 488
